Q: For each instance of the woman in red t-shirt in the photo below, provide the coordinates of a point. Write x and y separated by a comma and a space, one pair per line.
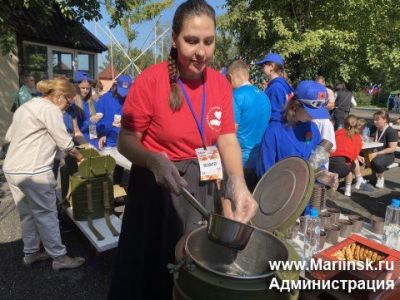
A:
348, 147
172, 109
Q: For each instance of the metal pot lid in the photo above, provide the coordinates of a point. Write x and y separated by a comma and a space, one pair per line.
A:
282, 194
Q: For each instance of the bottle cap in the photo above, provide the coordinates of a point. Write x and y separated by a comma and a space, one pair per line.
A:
314, 212
396, 202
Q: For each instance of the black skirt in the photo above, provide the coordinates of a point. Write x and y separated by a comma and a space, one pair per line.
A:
154, 220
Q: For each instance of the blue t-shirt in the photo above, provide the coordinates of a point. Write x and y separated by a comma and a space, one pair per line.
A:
69, 116
111, 107
279, 93
252, 112
281, 141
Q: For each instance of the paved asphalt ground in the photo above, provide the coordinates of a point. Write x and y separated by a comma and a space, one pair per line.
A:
92, 280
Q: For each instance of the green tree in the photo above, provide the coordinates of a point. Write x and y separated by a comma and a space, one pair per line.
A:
136, 12
73, 9
79, 10
352, 40
225, 49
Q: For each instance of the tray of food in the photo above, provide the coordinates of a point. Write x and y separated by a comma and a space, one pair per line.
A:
358, 256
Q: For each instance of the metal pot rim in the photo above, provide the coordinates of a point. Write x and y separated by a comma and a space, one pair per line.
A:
205, 267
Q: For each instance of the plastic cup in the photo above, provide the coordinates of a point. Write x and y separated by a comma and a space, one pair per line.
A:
346, 228
335, 213
377, 224
322, 239
325, 218
332, 233
117, 118
357, 222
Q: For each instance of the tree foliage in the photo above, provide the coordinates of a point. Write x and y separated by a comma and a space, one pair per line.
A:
136, 12
352, 40
225, 48
121, 11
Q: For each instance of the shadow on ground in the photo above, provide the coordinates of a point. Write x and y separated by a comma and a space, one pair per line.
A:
91, 281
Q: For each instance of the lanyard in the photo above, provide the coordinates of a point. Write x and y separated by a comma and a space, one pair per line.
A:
200, 125
383, 131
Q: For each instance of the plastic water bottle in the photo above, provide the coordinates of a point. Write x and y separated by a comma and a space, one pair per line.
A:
320, 155
311, 235
92, 131
391, 230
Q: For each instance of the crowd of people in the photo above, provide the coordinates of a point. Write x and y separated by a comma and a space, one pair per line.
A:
168, 122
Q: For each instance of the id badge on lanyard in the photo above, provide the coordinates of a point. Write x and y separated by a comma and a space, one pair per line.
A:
210, 163
208, 157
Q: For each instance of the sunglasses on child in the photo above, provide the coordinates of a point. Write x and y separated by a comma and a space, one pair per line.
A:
313, 103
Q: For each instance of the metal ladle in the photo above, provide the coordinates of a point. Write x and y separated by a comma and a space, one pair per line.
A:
224, 231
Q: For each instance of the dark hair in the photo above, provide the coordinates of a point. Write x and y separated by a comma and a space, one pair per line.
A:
290, 111
185, 10
340, 87
278, 69
319, 78
383, 114
351, 125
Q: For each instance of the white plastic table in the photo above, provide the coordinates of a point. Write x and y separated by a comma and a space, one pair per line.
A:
119, 158
109, 241
371, 145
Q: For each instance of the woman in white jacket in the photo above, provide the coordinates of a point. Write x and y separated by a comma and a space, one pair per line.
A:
35, 134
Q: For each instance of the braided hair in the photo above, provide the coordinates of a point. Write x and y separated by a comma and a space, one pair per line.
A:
185, 10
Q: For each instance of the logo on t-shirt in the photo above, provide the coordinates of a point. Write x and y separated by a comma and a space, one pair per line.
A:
214, 118
289, 96
308, 137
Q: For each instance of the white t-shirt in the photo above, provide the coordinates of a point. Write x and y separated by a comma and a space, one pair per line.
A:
327, 132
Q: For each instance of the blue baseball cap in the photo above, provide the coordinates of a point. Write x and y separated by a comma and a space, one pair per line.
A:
271, 57
123, 84
81, 76
314, 97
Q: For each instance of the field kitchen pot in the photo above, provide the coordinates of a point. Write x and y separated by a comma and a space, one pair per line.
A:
208, 270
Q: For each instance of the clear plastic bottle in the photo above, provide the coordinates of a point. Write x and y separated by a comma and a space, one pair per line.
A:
320, 155
311, 235
92, 131
391, 230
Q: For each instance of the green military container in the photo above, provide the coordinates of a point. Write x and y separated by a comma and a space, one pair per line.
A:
207, 270
92, 195
98, 189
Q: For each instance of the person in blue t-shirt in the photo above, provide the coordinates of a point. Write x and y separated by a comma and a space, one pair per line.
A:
111, 106
296, 135
87, 110
252, 112
278, 90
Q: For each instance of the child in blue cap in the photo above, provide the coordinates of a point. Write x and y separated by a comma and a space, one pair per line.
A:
278, 90
296, 135
111, 106
86, 109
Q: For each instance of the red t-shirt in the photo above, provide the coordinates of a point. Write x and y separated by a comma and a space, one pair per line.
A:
146, 110
346, 146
